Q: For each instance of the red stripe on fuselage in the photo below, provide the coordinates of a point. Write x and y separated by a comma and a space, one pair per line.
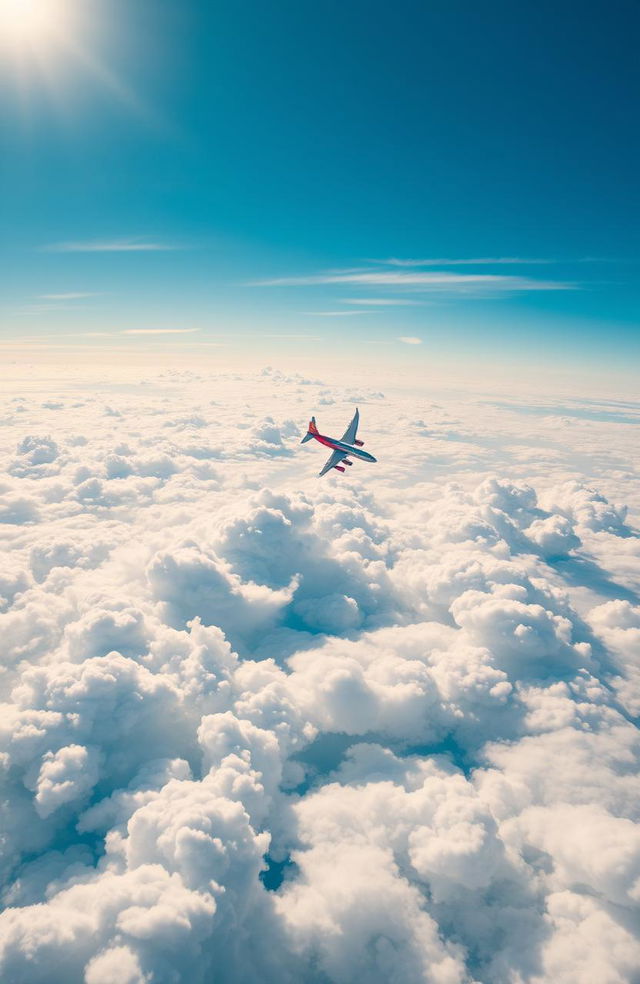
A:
327, 442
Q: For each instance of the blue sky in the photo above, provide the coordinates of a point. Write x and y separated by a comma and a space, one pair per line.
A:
258, 175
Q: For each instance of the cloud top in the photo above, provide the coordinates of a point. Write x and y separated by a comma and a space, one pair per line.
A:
262, 727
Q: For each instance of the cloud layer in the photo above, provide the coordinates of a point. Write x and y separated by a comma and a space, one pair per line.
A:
260, 727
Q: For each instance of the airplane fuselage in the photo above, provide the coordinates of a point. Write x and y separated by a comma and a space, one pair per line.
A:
330, 442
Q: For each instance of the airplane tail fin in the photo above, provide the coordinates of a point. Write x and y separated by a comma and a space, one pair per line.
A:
311, 432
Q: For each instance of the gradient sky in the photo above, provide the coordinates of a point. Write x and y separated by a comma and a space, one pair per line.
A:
284, 175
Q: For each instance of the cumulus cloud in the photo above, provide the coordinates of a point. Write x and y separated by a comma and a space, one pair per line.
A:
260, 727
64, 776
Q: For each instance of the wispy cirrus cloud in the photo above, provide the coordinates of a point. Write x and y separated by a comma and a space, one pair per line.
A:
410, 340
300, 337
427, 281
495, 261
126, 245
382, 301
334, 314
457, 261
159, 331
70, 296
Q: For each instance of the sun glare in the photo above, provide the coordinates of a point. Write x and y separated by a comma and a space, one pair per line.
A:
46, 43
31, 23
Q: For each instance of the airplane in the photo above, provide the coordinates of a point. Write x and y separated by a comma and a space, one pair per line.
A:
347, 445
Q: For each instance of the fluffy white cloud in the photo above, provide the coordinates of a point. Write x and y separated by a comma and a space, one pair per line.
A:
64, 776
261, 727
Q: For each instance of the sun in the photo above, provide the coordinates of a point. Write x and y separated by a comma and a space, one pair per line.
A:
32, 23
45, 44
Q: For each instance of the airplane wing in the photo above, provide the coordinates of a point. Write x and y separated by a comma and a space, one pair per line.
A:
349, 435
332, 461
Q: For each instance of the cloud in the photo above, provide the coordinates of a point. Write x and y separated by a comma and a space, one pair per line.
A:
484, 261
112, 246
381, 301
71, 296
299, 337
439, 281
333, 314
159, 331
490, 261
65, 776
410, 340
258, 726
